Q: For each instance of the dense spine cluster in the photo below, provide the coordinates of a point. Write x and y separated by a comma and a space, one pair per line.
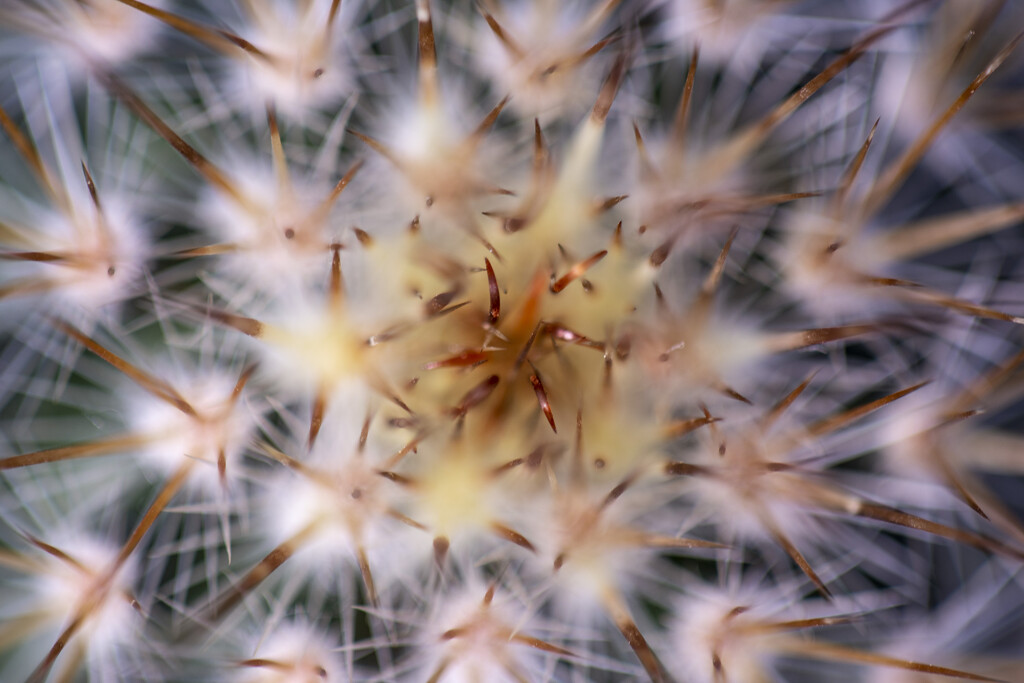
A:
516, 340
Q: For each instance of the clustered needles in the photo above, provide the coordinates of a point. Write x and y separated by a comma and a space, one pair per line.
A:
410, 340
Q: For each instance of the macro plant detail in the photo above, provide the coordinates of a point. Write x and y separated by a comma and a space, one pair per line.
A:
515, 340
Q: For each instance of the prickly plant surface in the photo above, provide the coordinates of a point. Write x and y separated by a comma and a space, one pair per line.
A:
516, 340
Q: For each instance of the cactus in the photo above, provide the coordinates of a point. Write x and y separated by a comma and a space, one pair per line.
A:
413, 340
